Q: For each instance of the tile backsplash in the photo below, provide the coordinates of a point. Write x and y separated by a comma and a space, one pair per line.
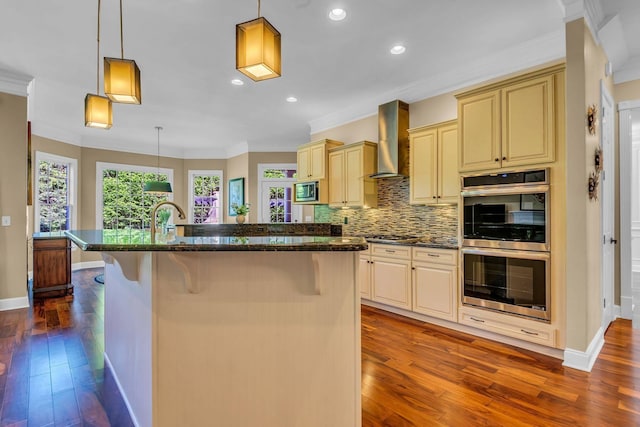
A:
394, 215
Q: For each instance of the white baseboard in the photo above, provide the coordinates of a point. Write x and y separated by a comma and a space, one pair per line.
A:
584, 360
14, 303
87, 264
134, 420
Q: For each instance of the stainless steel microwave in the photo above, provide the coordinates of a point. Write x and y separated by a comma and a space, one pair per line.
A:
306, 191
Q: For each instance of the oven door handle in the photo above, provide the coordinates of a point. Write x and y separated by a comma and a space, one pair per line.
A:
503, 190
509, 253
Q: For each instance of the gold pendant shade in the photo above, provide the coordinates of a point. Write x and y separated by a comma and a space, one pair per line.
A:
258, 50
97, 111
122, 81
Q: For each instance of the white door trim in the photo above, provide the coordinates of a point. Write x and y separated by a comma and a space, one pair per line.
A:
607, 207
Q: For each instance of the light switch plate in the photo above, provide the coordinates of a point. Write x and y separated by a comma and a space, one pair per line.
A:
6, 220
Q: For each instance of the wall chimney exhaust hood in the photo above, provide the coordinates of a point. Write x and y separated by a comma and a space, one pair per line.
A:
393, 140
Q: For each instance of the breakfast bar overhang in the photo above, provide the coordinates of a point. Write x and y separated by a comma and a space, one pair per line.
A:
233, 331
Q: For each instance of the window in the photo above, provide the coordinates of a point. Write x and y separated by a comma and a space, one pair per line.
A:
276, 193
205, 196
120, 201
55, 207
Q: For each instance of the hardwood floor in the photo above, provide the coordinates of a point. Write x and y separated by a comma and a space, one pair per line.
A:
52, 365
413, 374
424, 375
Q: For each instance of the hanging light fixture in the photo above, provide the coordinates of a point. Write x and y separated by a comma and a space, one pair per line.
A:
157, 186
122, 76
258, 49
97, 109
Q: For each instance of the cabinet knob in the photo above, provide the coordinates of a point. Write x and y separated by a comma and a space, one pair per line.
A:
504, 158
434, 197
497, 159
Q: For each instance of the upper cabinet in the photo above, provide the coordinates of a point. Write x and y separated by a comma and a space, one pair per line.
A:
312, 159
510, 123
434, 164
350, 167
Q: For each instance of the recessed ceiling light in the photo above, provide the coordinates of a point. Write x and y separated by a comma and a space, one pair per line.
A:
292, 99
237, 82
337, 14
398, 49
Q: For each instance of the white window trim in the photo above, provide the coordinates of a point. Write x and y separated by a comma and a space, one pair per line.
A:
73, 186
101, 166
262, 167
211, 172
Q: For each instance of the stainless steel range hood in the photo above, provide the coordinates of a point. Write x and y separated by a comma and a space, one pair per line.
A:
393, 140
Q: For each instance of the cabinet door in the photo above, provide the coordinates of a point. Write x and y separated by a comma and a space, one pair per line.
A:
303, 164
317, 166
391, 282
51, 263
479, 138
353, 175
336, 178
365, 277
424, 165
448, 177
434, 290
528, 122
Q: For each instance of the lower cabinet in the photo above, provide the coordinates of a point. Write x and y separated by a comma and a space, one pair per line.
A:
52, 266
435, 282
512, 326
385, 275
365, 274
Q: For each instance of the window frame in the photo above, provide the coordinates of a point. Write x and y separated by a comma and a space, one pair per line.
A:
100, 168
262, 167
192, 173
73, 186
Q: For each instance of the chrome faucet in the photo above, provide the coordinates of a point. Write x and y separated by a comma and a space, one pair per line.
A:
181, 215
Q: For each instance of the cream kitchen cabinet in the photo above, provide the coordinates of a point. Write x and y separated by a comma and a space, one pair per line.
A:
312, 159
435, 282
510, 123
390, 270
350, 167
365, 273
433, 158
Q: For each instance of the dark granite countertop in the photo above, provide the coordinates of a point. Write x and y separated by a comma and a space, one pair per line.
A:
138, 240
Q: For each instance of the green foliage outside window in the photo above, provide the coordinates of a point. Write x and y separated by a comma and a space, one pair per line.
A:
53, 196
124, 204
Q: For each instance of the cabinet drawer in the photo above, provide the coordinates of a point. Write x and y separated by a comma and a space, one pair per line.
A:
523, 329
46, 244
391, 251
436, 256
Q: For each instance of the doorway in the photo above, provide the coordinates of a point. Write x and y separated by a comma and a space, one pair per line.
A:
629, 130
275, 198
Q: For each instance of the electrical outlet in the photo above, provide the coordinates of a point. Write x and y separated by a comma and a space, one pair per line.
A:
308, 218
6, 220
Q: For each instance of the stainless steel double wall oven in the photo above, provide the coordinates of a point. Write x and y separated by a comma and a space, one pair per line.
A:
506, 242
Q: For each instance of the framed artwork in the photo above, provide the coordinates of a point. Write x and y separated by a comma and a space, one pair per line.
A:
236, 193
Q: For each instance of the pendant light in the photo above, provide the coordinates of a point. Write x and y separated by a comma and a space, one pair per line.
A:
122, 76
158, 187
258, 49
97, 109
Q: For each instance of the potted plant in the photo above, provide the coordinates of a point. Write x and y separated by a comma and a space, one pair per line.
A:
241, 212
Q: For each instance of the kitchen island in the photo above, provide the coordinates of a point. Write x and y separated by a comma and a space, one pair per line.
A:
232, 330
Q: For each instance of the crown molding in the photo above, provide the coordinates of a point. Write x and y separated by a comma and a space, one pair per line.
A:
14, 83
590, 10
547, 48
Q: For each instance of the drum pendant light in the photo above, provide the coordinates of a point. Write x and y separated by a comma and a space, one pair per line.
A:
97, 109
258, 49
158, 187
122, 76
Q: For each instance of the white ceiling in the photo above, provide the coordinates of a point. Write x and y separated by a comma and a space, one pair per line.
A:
339, 71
